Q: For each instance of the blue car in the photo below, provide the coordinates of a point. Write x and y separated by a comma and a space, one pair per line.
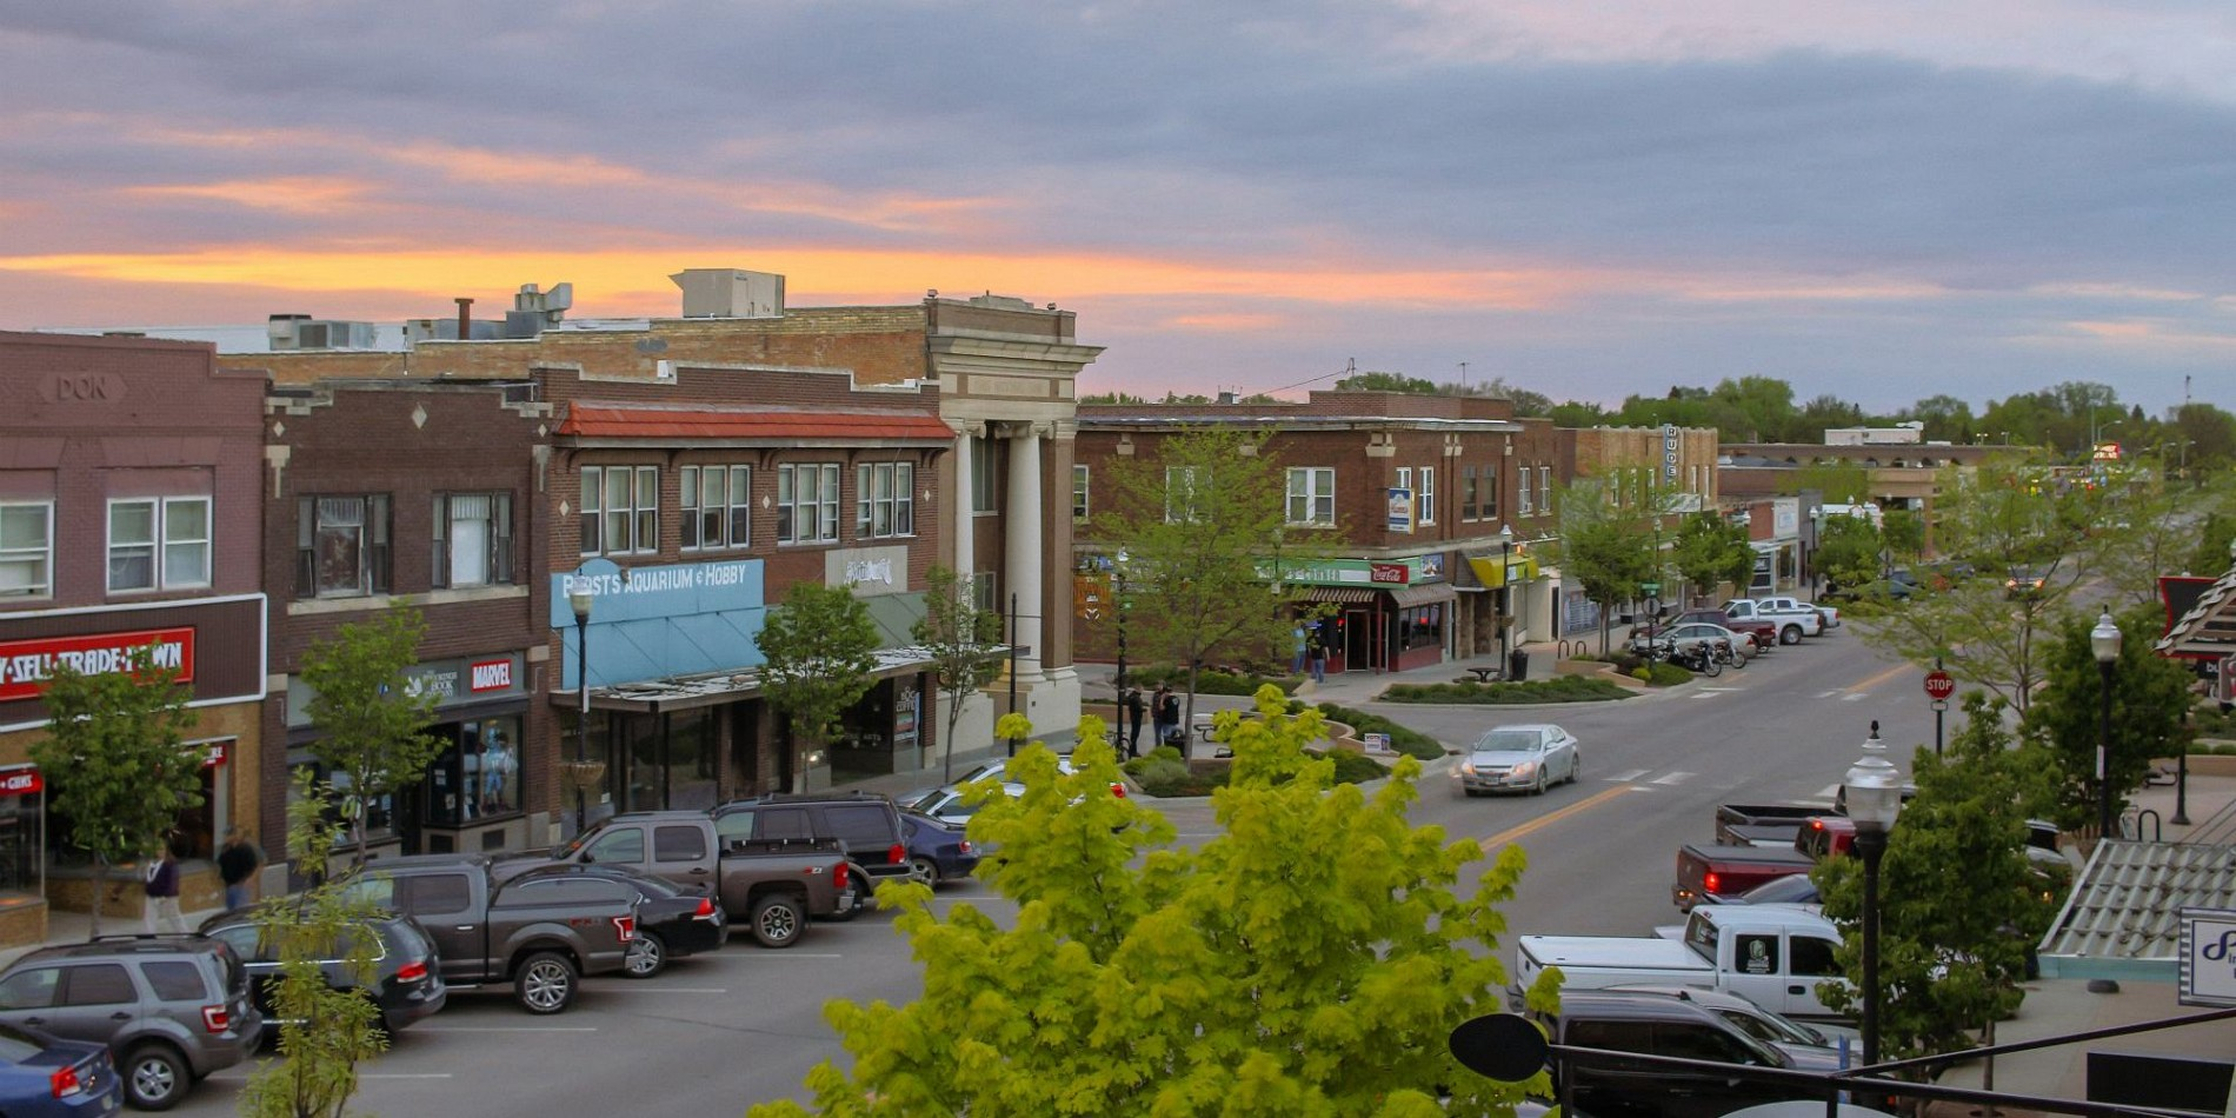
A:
43, 1077
937, 851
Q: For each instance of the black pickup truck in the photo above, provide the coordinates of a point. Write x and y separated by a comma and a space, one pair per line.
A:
542, 935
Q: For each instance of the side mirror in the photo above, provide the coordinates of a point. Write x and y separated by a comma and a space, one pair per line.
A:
588, 857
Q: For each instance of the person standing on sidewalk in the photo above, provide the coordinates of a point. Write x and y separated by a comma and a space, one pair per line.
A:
162, 911
237, 862
1133, 713
1319, 662
1159, 704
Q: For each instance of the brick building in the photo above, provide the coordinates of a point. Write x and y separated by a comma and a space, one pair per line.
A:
996, 374
1420, 497
1669, 465
129, 517
382, 493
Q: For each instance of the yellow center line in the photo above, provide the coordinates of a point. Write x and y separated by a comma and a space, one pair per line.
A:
1884, 676
1517, 831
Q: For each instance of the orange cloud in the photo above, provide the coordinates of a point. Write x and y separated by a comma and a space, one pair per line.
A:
292, 195
1230, 323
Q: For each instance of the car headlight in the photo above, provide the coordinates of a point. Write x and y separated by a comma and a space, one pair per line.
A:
1468, 767
1525, 768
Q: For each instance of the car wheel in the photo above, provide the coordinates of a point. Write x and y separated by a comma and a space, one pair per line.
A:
778, 920
1791, 634
925, 870
1575, 766
1538, 789
546, 983
155, 1077
647, 956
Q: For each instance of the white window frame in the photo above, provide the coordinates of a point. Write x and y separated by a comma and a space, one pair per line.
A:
807, 515
593, 507
162, 544
1427, 495
982, 488
726, 522
629, 512
884, 500
373, 555
38, 559
1544, 488
1079, 483
1311, 492
497, 548
1522, 504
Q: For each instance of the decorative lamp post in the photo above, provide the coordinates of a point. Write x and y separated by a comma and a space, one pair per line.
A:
1506, 592
2104, 640
1873, 795
1119, 575
579, 599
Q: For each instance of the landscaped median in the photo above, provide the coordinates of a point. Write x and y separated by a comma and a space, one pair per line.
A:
1559, 689
1163, 773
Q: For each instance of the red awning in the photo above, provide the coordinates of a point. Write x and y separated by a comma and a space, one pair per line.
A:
605, 421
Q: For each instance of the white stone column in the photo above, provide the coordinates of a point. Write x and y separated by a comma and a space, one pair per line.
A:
1022, 547
964, 503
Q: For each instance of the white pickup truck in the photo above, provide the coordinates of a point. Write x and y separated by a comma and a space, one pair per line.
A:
1772, 955
1795, 618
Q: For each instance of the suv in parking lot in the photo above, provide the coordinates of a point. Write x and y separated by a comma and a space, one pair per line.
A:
868, 824
172, 1008
404, 983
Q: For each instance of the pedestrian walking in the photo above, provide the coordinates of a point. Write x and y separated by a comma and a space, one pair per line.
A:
162, 911
1134, 710
1297, 634
1168, 718
237, 862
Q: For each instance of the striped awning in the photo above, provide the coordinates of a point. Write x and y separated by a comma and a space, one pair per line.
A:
1344, 595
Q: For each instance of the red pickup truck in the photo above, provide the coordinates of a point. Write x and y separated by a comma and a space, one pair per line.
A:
1708, 872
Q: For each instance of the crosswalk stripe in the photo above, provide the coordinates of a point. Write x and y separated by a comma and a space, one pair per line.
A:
1852, 698
1828, 694
1627, 777
1674, 778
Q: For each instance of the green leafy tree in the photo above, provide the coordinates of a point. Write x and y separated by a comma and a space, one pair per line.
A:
324, 1032
1946, 418
1208, 537
2150, 695
2148, 531
1959, 900
114, 760
1386, 382
371, 722
1606, 547
1849, 550
821, 648
1310, 959
1710, 551
1903, 532
964, 644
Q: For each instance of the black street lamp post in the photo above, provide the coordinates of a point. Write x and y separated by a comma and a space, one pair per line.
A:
1874, 798
2104, 640
1118, 574
579, 599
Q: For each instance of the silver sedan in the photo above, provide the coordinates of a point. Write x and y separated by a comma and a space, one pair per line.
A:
1526, 758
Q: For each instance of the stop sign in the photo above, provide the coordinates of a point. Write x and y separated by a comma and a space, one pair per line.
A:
1938, 685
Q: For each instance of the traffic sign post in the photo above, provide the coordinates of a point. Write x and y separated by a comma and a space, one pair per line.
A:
1938, 687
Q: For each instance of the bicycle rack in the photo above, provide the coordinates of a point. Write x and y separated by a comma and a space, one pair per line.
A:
2158, 833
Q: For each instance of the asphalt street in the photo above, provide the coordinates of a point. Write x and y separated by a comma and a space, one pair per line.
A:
717, 1033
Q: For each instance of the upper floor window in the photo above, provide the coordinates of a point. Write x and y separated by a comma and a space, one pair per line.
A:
1522, 504
884, 500
26, 550
1471, 505
807, 503
1079, 493
1428, 494
1544, 488
341, 546
159, 542
472, 538
982, 475
1490, 493
1312, 496
620, 509
1180, 494
717, 506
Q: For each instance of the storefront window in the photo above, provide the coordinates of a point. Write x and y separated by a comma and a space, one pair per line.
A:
478, 776
1420, 627
19, 842
379, 813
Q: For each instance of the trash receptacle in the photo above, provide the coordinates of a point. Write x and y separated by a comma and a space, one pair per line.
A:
1517, 665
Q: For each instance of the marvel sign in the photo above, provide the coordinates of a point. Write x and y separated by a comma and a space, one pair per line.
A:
26, 665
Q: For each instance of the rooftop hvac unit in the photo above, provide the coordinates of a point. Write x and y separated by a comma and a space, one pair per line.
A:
730, 293
295, 331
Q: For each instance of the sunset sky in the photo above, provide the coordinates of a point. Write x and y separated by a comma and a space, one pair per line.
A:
1881, 201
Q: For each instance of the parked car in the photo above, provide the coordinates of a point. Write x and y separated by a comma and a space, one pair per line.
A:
946, 805
937, 851
1525, 758
673, 921
1766, 825
406, 983
1811, 1043
172, 1009
1707, 872
868, 826
774, 884
1791, 619
42, 1076
1762, 631
1692, 634
542, 937
1774, 955
1794, 888
1654, 1025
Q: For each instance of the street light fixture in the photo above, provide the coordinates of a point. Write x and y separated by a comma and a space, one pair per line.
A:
1873, 796
2104, 640
1505, 592
1119, 576
579, 599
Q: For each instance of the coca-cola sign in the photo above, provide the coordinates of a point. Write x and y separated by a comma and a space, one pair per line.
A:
26, 665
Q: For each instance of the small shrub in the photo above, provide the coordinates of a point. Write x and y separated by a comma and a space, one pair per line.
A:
1134, 767
1210, 681
1406, 740
1355, 768
1642, 674
1558, 689
1169, 777
1666, 675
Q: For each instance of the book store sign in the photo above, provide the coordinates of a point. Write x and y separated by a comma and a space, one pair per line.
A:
470, 679
2208, 956
26, 665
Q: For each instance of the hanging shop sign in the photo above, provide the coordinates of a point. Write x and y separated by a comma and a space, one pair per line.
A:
26, 665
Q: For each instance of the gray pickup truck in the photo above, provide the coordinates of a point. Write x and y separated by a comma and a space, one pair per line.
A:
543, 936
772, 884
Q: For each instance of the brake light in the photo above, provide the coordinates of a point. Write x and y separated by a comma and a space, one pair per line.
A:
964, 847
705, 911
216, 1018
896, 855
626, 927
412, 972
1816, 824
65, 1083
838, 876
1710, 883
